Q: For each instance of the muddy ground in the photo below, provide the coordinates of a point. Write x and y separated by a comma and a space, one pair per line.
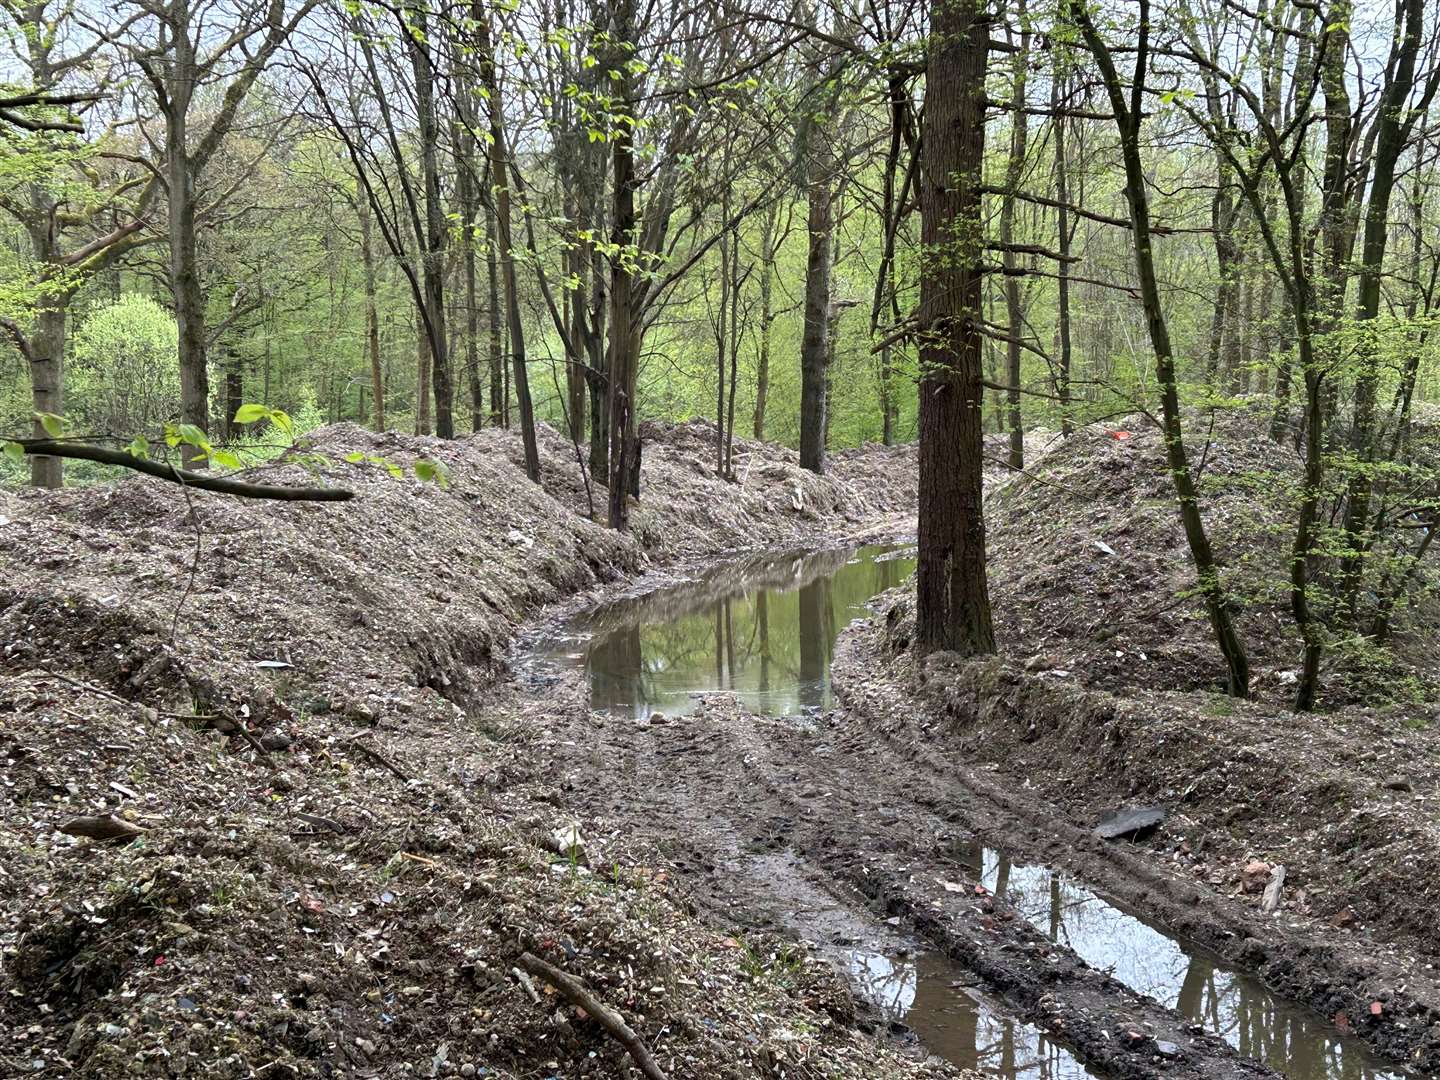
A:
354, 819
335, 866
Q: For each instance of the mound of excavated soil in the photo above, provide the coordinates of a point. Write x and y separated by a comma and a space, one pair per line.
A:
1090, 574
333, 872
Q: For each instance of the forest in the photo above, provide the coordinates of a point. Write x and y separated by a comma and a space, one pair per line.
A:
808, 538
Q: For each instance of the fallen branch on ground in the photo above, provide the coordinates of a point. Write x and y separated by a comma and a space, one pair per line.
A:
223, 484
379, 758
576, 992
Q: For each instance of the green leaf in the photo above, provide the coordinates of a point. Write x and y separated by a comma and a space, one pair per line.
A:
249, 413
139, 447
14, 451
429, 471
281, 419
355, 457
193, 436
226, 459
54, 425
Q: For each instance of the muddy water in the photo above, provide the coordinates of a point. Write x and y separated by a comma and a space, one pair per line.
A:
934, 999
1179, 974
763, 629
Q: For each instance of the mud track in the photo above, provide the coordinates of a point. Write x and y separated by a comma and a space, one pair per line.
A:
825, 831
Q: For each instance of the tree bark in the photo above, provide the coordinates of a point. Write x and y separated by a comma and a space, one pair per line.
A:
372, 314
500, 181
1014, 310
624, 333
952, 594
815, 340
767, 315
437, 231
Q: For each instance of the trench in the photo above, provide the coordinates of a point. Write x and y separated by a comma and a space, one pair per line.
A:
762, 630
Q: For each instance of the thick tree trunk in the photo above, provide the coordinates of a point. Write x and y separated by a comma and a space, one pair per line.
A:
189, 300
815, 340
952, 595
47, 386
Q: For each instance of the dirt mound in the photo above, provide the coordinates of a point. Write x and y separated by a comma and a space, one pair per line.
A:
1090, 575
687, 508
335, 871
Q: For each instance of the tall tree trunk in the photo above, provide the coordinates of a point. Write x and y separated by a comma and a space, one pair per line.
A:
500, 182
721, 338
423, 356
436, 226
184, 268
952, 595
624, 333
1127, 122
1014, 310
372, 314
1395, 125
767, 314
499, 398
729, 470
1058, 84
815, 340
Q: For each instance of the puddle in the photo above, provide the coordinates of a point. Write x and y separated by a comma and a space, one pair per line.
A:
763, 629
1289, 1039
928, 994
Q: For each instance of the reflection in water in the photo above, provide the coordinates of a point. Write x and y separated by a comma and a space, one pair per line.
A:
764, 629
1258, 1024
956, 1023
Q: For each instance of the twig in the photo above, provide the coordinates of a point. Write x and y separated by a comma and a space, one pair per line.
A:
378, 758
86, 687
574, 991
194, 562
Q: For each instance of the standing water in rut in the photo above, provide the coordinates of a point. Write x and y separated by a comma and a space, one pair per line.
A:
763, 629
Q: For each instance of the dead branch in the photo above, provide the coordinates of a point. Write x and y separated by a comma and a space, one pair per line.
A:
224, 485
379, 758
576, 992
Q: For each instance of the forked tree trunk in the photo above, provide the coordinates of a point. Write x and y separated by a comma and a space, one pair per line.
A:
952, 595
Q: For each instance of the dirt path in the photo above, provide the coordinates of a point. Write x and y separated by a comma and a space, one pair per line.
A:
824, 832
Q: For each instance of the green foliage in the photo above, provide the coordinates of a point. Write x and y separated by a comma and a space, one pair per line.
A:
124, 375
